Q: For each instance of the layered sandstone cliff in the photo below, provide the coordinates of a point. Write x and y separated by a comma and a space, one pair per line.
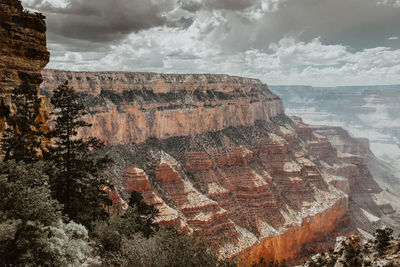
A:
23, 52
132, 107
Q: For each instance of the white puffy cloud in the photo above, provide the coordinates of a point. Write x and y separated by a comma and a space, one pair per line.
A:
288, 61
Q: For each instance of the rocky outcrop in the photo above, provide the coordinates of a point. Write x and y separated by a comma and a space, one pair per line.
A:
382, 249
23, 52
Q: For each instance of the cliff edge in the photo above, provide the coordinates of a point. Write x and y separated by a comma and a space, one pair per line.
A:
132, 107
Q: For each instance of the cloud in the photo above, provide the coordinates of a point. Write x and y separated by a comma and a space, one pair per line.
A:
318, 42
393, 3
288, 61
102, 21
393, 38
233, 5
242, 23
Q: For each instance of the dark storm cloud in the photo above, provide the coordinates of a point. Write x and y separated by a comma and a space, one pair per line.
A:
234, 5
103, 21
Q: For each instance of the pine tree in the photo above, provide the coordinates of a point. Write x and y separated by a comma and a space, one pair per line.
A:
22, 137
77, 182
32, 229
146, 214
382, 239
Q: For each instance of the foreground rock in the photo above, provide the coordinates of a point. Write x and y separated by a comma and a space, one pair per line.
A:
23, 52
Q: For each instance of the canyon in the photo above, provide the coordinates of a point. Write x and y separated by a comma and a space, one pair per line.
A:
364, 111
215, 154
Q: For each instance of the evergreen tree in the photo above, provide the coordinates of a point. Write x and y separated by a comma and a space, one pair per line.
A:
22, 137
145, 214
77, 182
382, 239
137, 219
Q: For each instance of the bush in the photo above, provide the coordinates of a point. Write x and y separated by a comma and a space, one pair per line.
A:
168, 248
32, 232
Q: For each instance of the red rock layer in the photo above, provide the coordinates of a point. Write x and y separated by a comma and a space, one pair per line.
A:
299, 240
237, 187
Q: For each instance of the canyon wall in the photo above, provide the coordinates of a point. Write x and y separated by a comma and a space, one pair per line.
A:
373, 204
132, 107
301, 240
364, 111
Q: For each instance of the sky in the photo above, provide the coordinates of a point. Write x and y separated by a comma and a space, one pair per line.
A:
281, 42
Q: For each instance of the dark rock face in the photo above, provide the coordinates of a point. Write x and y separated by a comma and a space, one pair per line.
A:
23, 52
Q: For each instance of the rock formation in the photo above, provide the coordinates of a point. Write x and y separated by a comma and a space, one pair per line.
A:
23, 52
382, 249
372, 207
132, 107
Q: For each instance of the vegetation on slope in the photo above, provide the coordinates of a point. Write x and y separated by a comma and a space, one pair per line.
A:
382, 250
